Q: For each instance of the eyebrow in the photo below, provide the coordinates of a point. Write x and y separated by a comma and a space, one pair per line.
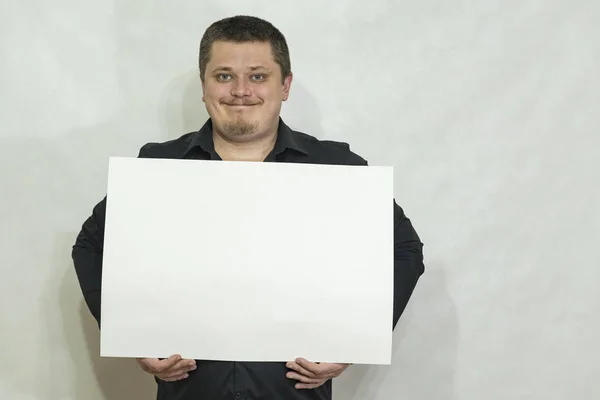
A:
229, 69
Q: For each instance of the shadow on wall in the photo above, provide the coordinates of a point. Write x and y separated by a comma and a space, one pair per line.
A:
424, 351
301, 112
181, 108
116, 379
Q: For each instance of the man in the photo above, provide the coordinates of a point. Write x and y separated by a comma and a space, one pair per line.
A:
246, 75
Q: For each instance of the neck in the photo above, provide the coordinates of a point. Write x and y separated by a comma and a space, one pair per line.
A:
247, 149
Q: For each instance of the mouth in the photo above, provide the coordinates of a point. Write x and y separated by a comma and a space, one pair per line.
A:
239, 108
239, 104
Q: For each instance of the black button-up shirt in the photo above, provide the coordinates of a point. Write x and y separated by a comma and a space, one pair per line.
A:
214, 380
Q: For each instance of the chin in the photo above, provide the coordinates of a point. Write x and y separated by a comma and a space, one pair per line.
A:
240, 128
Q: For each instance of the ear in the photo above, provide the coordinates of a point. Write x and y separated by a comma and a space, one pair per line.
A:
203, 90
287, 84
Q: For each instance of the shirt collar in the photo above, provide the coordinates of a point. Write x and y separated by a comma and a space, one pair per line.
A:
286, 139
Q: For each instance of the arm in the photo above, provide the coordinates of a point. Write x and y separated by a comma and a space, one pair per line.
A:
87, 258
408, 261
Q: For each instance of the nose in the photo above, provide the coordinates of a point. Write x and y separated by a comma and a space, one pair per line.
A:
240, 88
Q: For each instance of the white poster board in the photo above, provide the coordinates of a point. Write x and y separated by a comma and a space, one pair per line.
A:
248, 261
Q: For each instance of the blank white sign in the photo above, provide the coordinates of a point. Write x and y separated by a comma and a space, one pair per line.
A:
245, 261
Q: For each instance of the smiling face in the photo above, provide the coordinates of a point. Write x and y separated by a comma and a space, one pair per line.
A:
243, 89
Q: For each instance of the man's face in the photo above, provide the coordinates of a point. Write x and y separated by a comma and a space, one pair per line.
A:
243, 88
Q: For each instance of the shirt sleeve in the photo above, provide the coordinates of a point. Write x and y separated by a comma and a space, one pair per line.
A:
87, 258
408, 261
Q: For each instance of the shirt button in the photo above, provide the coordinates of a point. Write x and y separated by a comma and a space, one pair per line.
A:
238, 395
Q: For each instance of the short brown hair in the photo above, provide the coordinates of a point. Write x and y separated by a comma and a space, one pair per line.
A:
243, 28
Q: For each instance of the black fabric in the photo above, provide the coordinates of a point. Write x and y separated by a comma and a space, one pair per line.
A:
214, 380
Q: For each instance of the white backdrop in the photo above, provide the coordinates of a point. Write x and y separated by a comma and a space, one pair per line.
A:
488, 110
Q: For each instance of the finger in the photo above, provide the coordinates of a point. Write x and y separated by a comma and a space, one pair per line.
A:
167, 364
309, 385
155, 365
310, 366
302, 378
296, 367
178, 371
182, 365
175, 378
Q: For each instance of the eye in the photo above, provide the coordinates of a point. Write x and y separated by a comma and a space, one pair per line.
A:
223, 77
258, 77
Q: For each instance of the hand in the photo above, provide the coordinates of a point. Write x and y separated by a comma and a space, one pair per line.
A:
312, 375
170, 369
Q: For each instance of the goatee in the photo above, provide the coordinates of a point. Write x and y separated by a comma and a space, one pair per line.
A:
240, 128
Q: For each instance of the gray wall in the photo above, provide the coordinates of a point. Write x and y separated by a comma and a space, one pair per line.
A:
488, 110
